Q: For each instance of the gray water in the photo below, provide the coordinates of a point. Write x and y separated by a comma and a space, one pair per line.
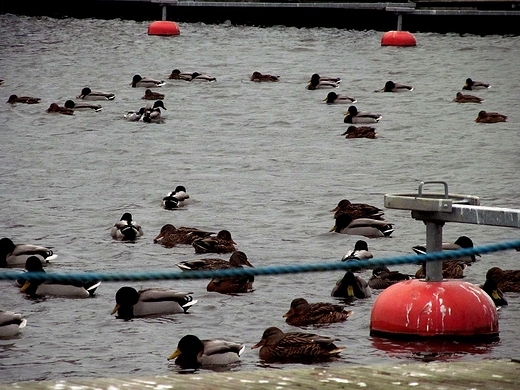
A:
265, 161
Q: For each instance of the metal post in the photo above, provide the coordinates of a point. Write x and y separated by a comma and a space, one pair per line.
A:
399, 22
163, 12
433, 269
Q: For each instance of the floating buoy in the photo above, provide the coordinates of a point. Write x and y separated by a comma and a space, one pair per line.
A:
163, 27
398, 38
417, 308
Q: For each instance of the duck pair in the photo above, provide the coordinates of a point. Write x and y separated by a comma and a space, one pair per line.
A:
150, 113
323, 82
175, 199
190, 76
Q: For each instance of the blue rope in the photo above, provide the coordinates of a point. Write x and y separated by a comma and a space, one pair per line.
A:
273, 270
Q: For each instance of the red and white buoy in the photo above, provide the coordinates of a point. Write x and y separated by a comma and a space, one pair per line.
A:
163, 27
398, 38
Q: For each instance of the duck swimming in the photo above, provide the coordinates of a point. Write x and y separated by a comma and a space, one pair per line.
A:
463, 242
138, 81
303, 313
134, 116
357, 210
471, 85
176, 199
152, 113
355, 116
277, 346
462, 98
12, 255
368, 227
360, 252
150, 95
490, 117
88, 94
221, 243
318, 82
490, 286
131, 303
23, 99
334, 98
259, 77
351, 287
196, 76
233, 284
11, 323
82, 106
170, 236
382, 278
178, 75
450, 270
360, 132
193, 352
126, 229
390, 86
55, 108
237, 259
507, 280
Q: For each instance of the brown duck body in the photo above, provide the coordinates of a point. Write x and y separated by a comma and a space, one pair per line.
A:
171, 236
259, 77
490, 117
23, 99
360, 132
357, 210
382, 278
276, 345
303, 313
462, 98
54, 108
233, 285
237, 259
150, 95
450, 270
221, 243
507, 280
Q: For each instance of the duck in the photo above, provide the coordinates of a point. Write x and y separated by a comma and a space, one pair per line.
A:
357, 210
318, 82
88, 94
490, 286
131, 303
259, 77
23, 99
360, 132
382, 278
390, 86
463, 242
237, 259
450, 270
335, 98
193, 352
178, 75
354, 116
11, 323
367, 227
175, 199
134, 116
196, 76
150, 95
55, 108
471, 85
221, 243
64, 288
126, 229
235, 284
303, 313
275, 345
152, 113
508, 280
490, 117
12, 255
351, 287
138, 81
360, 252
170, 236
82, 106
462, 98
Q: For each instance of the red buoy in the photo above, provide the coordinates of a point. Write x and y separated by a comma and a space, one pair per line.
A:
450, 308
398, 38
163, 27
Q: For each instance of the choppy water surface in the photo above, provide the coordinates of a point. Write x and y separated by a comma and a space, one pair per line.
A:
265, 161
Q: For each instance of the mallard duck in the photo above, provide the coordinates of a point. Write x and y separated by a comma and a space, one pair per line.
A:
176, 199
221, 243
55, 108
82, 106
62, 288
355, 116
450, 270
471, 85
368, 227
462, 98
352, 287
126, 229
463, 242
169, 236
259, 77
138, 81
193, 352
303, 313
334, 98
360, 132
131, 303
152, 113
490, 117
360, 252
134, 116
88, 94
11, 323
237, 259
318, 82
276, 345
390, 86
382, 278
150, 95
16, 255
235, 284
23, 99
178, 75
508, 280
196, 76
357, 210
490, 286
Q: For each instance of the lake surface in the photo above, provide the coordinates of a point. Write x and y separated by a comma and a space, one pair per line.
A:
264, 160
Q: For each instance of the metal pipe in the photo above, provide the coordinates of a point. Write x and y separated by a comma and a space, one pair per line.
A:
433, 269
399, 22
163, 12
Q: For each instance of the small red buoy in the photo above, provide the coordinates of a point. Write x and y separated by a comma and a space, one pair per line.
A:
398, 38
163, 27
450, 308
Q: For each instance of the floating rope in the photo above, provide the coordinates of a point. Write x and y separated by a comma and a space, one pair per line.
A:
272, 270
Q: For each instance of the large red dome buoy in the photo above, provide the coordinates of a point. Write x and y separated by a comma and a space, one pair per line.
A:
163, 27
450, 308
398, 38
